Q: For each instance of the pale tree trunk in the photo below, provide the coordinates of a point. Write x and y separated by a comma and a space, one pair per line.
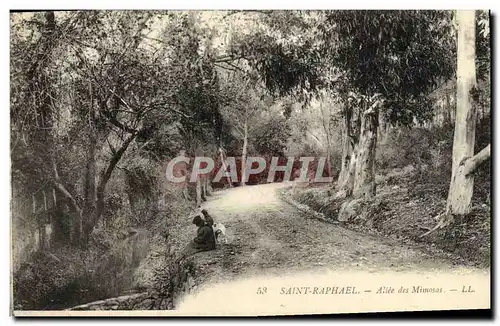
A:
385, 134
345, 185
199, 179
244, 153
364, 179
325, 119
382, 125
328, 158
203, 189
347, 148
328, 163
198, 191
461, 186
185, 172
205, 180
464, 173
464, 162
224, 167
207, 188
208, 184
345, 189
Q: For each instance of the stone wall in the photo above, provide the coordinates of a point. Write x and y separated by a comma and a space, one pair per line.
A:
183, 283
125, 302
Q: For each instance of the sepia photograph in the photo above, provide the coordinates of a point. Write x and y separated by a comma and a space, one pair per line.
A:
249, 162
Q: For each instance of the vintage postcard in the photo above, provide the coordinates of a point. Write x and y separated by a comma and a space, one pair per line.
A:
249, 162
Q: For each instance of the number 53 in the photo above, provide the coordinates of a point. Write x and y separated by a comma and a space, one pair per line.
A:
262, 290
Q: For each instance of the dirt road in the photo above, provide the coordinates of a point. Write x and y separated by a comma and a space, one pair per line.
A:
269, 237
267, 233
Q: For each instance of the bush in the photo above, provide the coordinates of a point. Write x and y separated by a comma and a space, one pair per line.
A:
52, 281
429, 150
421, 147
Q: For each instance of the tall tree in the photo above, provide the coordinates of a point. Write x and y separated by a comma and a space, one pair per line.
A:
111, 90
242, 112
389, 58
33, 111
351, 129
394, 58
464, 161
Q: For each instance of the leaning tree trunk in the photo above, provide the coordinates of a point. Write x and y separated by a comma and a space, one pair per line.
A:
244, 154
364, 178
462, 183
91, 220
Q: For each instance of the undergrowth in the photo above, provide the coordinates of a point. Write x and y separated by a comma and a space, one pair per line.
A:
414, 169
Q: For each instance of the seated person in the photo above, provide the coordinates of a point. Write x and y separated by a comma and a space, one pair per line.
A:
208, 219
205, 238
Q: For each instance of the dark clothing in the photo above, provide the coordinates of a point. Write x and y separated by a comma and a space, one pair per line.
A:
204, 241
205, 238
208, 219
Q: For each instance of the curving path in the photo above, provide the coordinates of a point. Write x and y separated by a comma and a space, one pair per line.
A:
270, 238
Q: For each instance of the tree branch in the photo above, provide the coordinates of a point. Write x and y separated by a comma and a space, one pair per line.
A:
115, 121
111, 148
114, 160
105, 176
57, 183
238, 130
234, 12
226, 59
236, 68
474, 162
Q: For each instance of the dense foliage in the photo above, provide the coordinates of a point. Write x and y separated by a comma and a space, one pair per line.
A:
101, 100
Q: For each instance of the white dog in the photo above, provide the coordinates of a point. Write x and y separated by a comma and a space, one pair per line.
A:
220, 232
